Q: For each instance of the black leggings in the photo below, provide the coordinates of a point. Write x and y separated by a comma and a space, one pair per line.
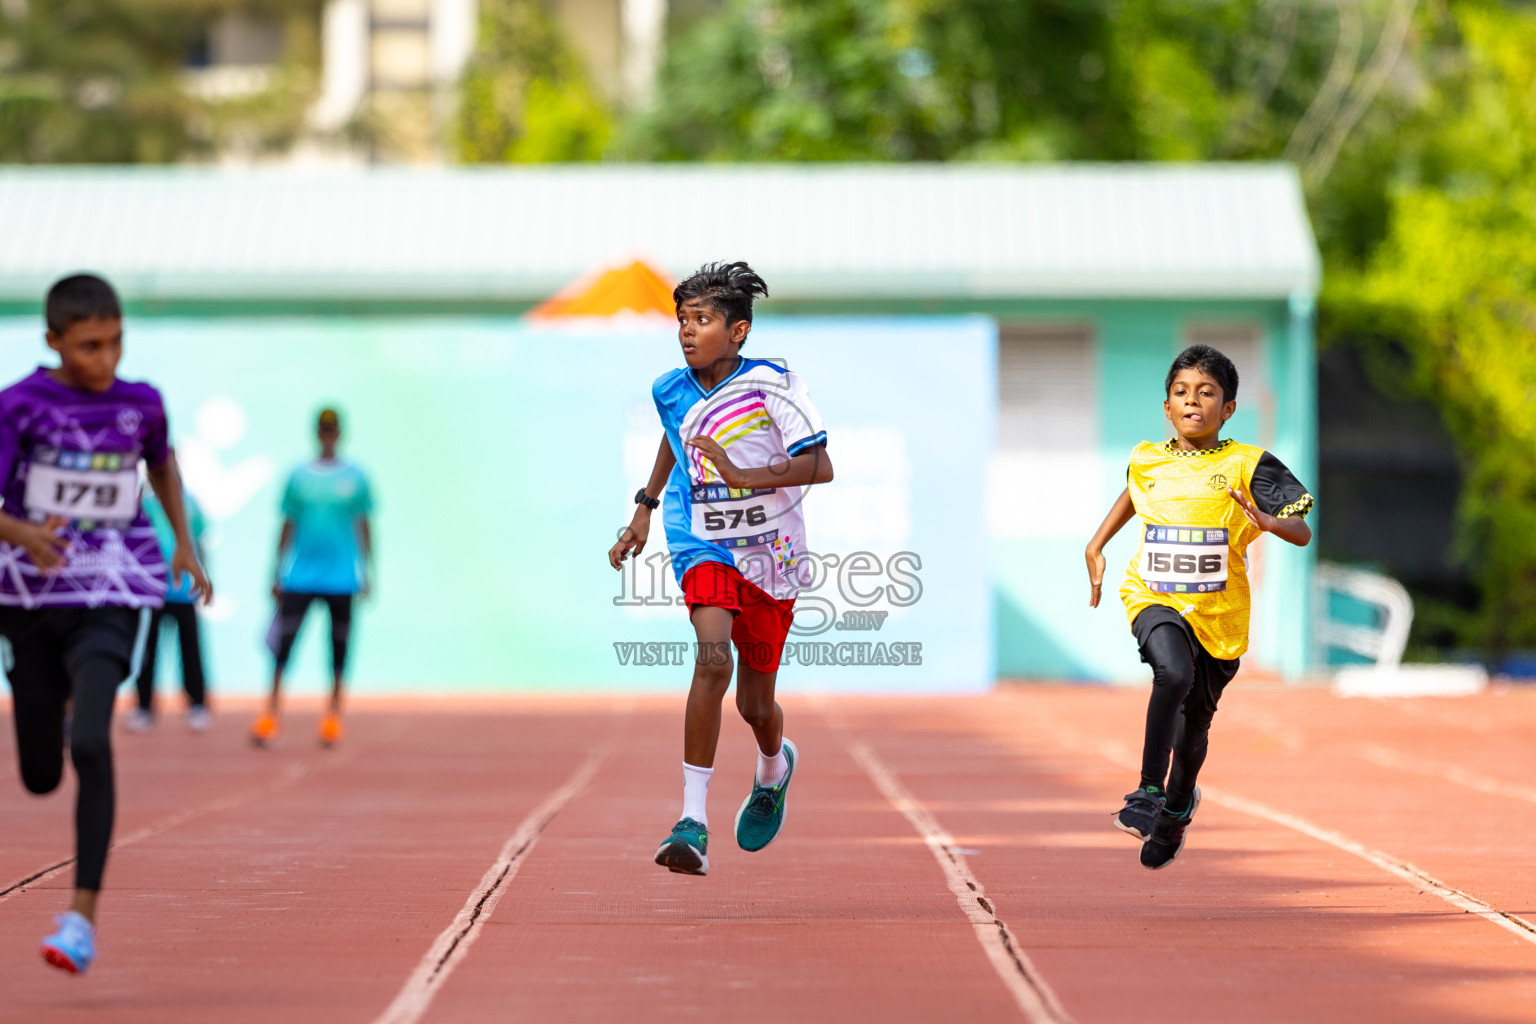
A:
185, 618
57, 655
1186, 685
291, 608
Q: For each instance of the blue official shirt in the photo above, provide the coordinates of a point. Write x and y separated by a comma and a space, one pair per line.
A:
325, 499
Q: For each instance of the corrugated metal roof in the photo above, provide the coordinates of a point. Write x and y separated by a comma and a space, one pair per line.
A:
847, 232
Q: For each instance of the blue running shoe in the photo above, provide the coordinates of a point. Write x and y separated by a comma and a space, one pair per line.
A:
73, 946
762, 813
686, 850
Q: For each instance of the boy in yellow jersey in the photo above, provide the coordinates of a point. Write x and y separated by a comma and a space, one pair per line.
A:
1202, 501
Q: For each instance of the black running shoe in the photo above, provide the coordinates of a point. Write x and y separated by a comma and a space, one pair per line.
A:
1167, 838
1139, 812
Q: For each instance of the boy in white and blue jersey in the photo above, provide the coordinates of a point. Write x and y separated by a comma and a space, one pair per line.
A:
323, 554
741, 439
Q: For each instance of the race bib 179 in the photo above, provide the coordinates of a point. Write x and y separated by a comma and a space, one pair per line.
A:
82, 486
735, 517
1183, 559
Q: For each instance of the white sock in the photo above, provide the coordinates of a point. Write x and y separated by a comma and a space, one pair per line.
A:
696, 792
771, 770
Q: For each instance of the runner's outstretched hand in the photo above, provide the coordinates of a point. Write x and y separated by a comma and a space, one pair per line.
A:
632, 538
1095, 577
716, 454
42, 542
185, 562
1260, 519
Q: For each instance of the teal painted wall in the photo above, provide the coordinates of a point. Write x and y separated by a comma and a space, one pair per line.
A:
1045, 628
504, 457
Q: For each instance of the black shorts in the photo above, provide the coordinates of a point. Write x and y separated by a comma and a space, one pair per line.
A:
1211, 674
291, 609
45, 645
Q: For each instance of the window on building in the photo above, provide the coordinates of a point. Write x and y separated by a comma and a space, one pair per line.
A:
1047, 388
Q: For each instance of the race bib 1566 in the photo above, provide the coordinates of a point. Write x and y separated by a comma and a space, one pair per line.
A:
82, 486
1183, 559
735, 517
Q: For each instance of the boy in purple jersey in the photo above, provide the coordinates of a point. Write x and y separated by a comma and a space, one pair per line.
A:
80, 568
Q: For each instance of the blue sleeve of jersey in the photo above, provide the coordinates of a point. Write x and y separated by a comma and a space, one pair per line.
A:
673, 399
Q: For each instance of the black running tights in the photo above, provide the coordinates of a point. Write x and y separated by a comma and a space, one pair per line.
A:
1174, 723
39, 693
184, 616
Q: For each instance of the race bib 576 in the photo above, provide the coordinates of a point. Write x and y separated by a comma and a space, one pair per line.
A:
735, 517
1183, 559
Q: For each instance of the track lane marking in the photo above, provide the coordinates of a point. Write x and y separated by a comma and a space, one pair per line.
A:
1386, 757
1034, 997
1433, 713
290, 776
1396, 866
452, 944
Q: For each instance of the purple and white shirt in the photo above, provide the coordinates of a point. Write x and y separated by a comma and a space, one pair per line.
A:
76, 454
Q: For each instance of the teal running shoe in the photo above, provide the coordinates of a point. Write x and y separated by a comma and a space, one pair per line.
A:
73, 946
686, 850
762, 814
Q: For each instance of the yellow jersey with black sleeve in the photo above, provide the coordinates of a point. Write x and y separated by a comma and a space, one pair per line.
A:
1194, 537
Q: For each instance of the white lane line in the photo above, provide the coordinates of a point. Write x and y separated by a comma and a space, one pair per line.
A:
1421, 707
1388, 758
1418, 877
292, 774
454, 941
1512, 923
1029, 990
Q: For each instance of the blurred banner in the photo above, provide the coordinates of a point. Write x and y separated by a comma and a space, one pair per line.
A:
504, 457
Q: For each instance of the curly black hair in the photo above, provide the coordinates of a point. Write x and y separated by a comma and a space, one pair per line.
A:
729, 288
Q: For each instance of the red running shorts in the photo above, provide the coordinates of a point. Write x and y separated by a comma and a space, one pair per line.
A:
762, 621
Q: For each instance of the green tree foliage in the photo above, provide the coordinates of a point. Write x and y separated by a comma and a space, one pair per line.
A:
102, 81
1414, 126
526, 97
987, 79
1446, 303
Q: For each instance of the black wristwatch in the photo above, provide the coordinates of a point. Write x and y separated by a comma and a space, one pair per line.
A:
642, 499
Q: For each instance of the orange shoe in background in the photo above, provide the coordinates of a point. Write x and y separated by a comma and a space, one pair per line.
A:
330, 729
265, 730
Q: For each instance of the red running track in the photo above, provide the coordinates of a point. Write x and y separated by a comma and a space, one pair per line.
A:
945, 859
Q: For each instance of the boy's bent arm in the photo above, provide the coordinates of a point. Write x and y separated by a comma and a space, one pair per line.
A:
1120, 513
284, 540
41, 541
633, 537
1291, 529
165, 479
365, 542
812, 466
665, 461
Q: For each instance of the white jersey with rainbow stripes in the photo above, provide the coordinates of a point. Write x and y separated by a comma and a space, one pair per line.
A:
762, 415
